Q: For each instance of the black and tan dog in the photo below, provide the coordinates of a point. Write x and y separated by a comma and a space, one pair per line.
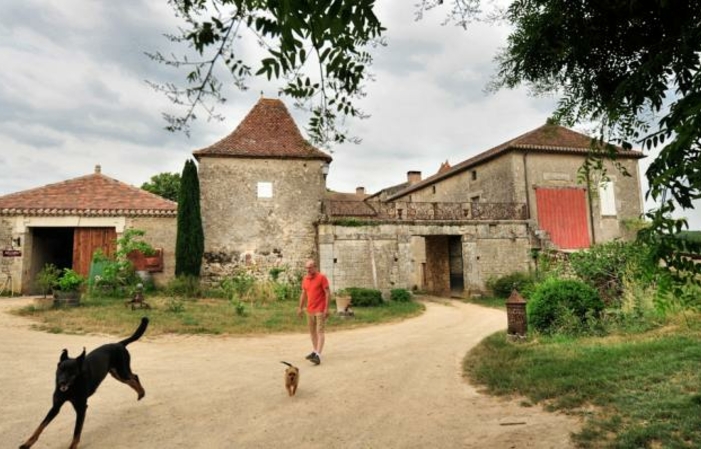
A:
77, 379
291, 378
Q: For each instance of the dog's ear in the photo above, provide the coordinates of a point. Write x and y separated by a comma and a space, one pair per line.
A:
64, 355
81, 357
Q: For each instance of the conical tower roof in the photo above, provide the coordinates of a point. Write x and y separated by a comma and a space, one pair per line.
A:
268, 131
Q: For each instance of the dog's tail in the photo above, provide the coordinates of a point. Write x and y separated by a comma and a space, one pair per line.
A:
288, 364
138, 333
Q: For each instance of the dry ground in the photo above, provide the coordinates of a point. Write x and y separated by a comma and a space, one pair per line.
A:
395, 385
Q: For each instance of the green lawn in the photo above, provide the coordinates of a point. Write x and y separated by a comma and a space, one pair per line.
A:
203, 316
636, 391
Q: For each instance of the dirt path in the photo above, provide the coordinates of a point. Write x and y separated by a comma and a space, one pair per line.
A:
395, 385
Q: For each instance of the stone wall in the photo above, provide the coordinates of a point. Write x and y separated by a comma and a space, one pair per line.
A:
160, 232
10, 267
561, 170
493, 183
382, 256
246, 230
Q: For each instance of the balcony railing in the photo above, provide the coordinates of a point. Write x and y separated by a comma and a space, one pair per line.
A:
402, 210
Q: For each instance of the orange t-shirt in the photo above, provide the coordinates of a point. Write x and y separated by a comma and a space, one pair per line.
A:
315, 288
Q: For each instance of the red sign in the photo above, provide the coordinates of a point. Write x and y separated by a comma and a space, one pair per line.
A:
11, 253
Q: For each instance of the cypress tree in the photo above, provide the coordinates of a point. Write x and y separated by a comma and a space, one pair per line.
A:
189, 244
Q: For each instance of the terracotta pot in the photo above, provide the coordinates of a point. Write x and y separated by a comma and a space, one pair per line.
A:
342, 302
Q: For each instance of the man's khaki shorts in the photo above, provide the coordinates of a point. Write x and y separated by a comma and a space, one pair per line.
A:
317, 321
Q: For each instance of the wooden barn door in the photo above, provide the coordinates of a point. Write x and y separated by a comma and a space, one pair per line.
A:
563, 213
86, 241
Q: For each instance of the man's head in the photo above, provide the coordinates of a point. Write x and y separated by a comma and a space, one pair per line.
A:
310, 266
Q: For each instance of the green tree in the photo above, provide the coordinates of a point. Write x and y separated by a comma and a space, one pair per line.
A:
189, 244
164, 184
319, 48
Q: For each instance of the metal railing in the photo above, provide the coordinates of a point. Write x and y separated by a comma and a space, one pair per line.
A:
403, 210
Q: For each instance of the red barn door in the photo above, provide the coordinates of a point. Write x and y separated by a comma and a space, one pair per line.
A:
563, 213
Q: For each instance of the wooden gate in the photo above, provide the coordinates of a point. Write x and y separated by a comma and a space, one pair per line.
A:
563, 213
86, 241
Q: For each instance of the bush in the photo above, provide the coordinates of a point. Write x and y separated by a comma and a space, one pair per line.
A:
47, 278
365, 297
604, 267
185, 286
503, 286
70, 281
400, 295
556, 298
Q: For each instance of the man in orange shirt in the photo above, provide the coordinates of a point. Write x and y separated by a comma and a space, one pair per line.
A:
315, 292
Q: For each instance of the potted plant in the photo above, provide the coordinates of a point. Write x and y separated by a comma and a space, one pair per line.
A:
68, 287
343, 300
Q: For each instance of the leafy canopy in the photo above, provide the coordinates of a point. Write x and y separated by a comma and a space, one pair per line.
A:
164, 184
317, 47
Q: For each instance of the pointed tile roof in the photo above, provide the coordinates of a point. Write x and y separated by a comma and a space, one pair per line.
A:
268, 131
91, 195
548, 138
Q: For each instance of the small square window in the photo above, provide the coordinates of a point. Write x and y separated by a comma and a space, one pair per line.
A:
265, 190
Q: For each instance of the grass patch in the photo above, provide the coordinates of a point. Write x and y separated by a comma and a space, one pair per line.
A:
645, 389
203, 316
488, 301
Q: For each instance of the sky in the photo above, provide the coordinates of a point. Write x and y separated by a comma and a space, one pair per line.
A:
74, 94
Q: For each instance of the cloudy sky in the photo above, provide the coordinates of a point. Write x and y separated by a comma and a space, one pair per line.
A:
73, 94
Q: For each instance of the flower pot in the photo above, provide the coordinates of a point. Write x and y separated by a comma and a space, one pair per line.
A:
342, 303
66, 298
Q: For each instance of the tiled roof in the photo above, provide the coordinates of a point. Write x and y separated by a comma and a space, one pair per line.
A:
347, 205
268, 131
545, 139
91, 195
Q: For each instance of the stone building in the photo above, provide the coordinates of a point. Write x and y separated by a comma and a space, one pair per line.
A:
262, 189
481, 218
64, 223
265, 205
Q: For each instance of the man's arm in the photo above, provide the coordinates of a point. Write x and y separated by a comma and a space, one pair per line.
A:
327, 294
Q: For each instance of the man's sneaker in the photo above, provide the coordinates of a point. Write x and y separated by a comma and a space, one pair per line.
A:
310, 356
315, 359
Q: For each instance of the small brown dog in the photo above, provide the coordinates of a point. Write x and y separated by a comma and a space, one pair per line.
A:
291, 378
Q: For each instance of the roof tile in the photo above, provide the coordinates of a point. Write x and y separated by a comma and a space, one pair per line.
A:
268, 131
94, 194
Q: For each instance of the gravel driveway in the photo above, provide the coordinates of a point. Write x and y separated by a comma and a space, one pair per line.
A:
394, 385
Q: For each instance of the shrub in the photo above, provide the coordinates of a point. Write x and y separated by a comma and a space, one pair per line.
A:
400, 295
185, 286
238, 285
365, 297
47, 278
604, 266
559, 297
503, 286
70, 281
285, 291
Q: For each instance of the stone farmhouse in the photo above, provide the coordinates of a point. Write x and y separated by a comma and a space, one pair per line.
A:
265, 205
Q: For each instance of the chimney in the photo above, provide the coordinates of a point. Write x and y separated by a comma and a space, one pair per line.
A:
98, 169
413, 177
360, 190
